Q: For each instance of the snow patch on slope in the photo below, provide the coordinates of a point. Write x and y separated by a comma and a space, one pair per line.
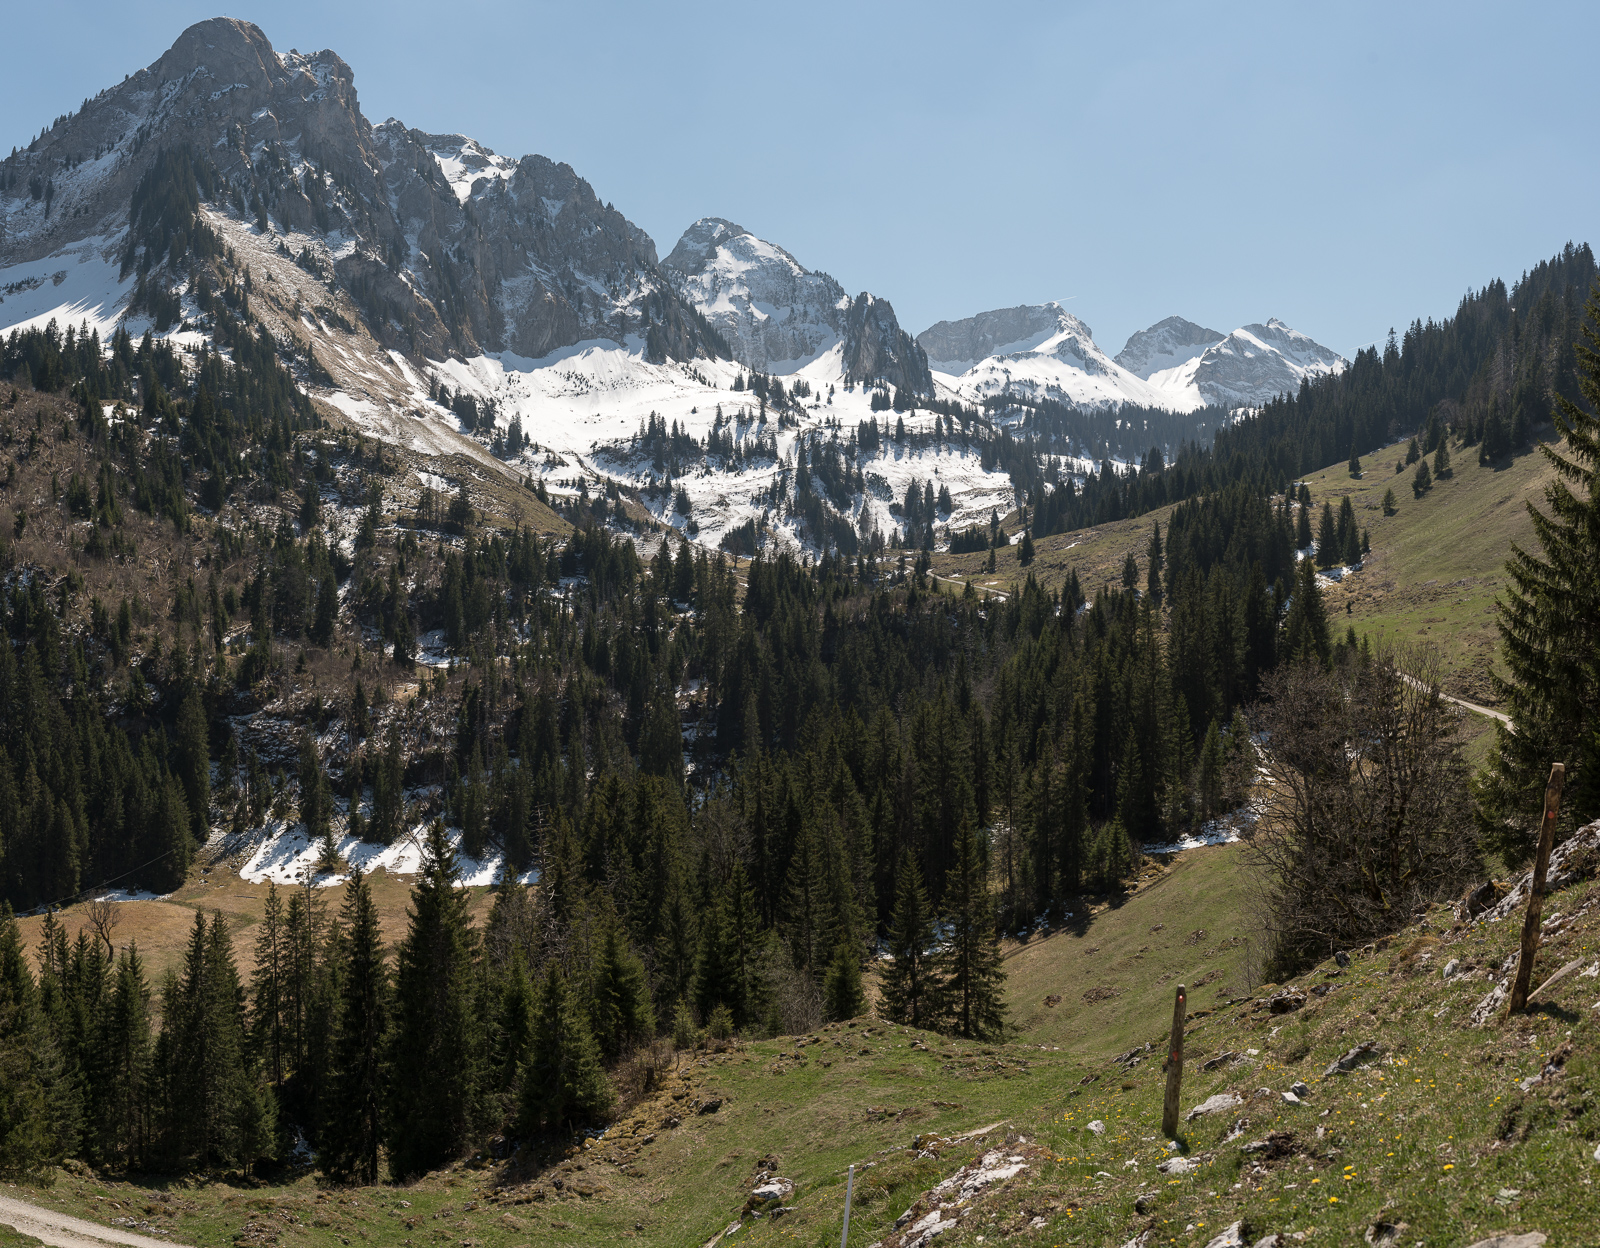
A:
465, 161
288, 854
76, 284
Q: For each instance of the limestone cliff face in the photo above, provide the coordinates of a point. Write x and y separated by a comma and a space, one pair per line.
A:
877, 349
445, 247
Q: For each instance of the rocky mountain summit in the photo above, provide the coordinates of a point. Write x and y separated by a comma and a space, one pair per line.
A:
956, 346
1259, 362
444, 246
1166, 344
777, 316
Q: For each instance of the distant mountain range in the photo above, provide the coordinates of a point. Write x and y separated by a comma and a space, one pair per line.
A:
386, 263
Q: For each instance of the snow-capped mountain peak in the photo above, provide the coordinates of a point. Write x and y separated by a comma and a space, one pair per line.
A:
1038, 351
1166, 344
955, 346
1242, 369
775, 313
778, 316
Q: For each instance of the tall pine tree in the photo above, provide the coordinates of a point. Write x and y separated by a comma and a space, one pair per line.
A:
434, 1038
353, 1115
970, 958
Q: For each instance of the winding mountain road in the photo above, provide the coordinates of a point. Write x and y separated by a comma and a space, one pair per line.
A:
61, 1230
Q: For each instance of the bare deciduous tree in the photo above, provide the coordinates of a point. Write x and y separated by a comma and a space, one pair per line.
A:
1362, 798
103, 918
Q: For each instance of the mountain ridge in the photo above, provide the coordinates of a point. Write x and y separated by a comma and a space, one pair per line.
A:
1043, 351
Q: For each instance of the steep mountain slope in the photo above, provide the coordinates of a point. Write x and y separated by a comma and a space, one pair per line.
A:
527, 259
382, 261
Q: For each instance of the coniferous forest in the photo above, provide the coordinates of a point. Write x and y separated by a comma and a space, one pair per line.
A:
738, 785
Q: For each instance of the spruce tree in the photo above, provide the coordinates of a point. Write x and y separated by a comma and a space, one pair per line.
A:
621, 1012
912, 987
842, 997
970, 959
1441, 460
1025, 552
1136, 797
513, 1031
562, 1082
1302, 526
1389, 507
353, 1114
29, 1140
1327, 538
1355, 462
122, 1106
1549, 624
192, 762
211, 1106
267, 986
316, 798
433, 1047
1130, 572
1305, 631
1423, 481
1209, 779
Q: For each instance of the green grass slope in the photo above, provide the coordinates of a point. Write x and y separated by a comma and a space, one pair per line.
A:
1094, 986
1447, 1128
1438, 563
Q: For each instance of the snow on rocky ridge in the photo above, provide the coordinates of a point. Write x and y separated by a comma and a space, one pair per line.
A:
386, 260
1044, 352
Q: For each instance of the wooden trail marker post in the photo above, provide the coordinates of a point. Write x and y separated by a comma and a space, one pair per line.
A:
1541, 865
1169, 1109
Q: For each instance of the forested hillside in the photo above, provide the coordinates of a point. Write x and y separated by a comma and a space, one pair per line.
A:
736, 784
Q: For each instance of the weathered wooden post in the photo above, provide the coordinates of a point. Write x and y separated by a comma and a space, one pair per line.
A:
849, 1188
1541, 864
1169, 1110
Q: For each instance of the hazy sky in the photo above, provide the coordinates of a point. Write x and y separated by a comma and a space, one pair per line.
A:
1345, 168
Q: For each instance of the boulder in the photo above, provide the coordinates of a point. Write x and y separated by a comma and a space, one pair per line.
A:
1363, 1052
1287, 1001
1221, 1102
769, 1194
1576, 858
1098, 1127
1512, 1239
1231, 1237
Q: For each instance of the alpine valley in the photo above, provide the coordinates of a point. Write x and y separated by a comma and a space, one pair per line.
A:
512, 734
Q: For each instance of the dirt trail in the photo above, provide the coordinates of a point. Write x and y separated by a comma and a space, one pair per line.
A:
63, 1231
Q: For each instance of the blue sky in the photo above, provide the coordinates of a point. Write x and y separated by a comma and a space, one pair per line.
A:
1345, 168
